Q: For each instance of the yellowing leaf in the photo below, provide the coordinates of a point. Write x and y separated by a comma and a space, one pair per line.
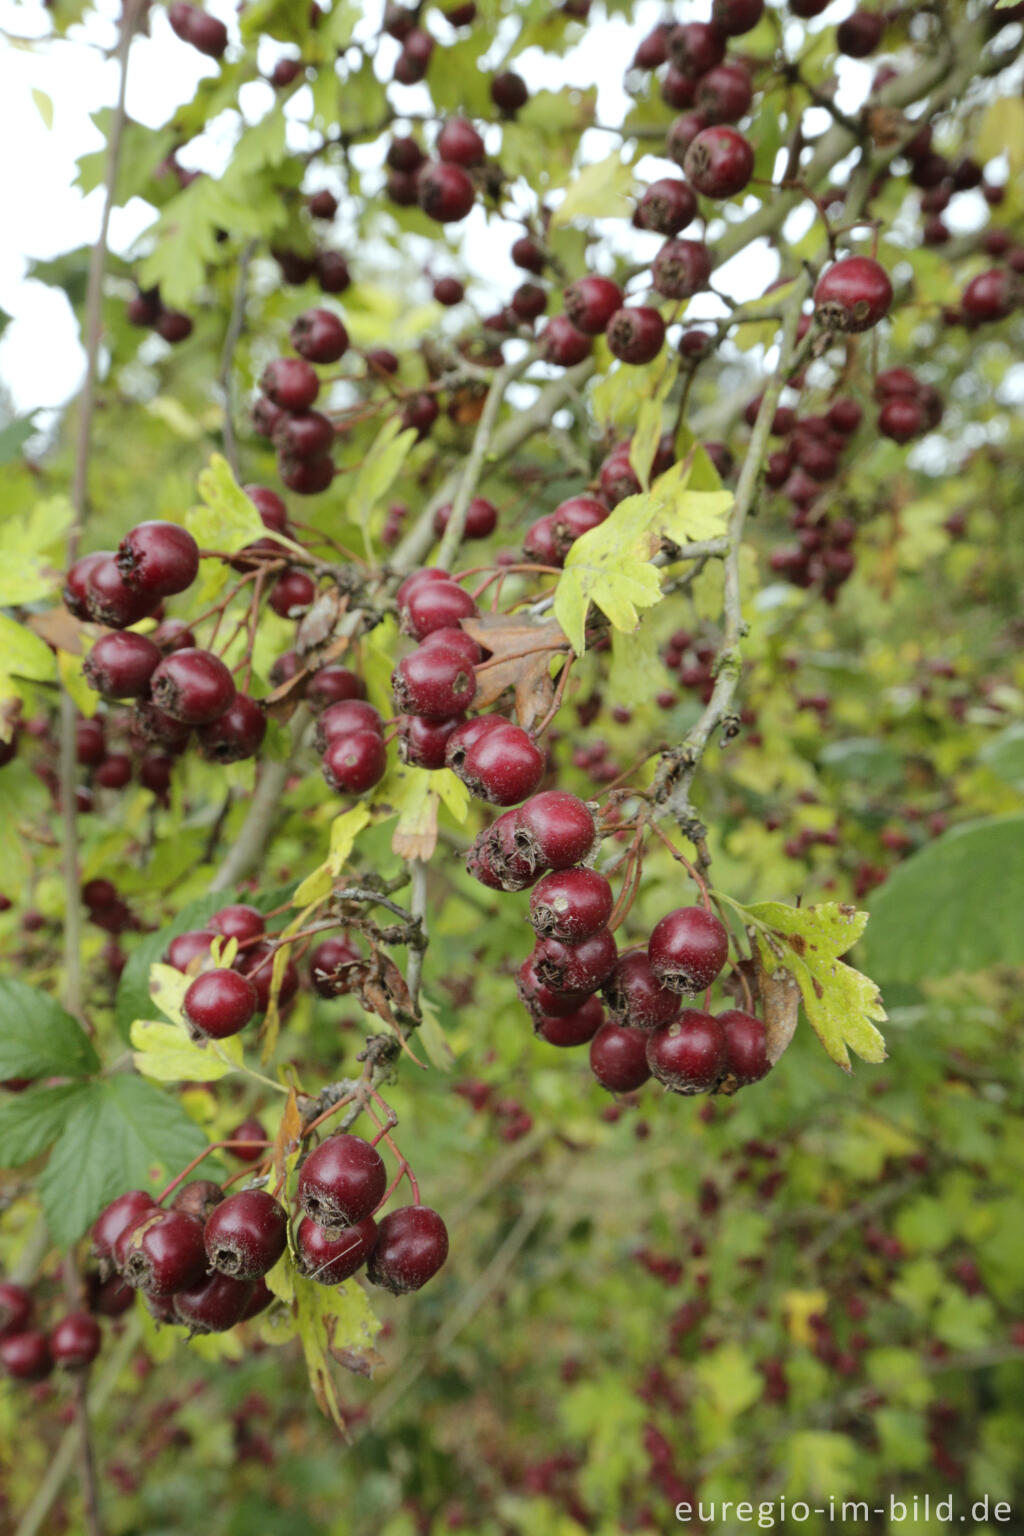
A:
380, 468
602, 190
1002, 132
452, 791
344, 831
86, 699
840, 1002
44, 105
338, 1322
415, 836
165, 1053
33, 544
23, 654
315, 887
167, 988
227, 520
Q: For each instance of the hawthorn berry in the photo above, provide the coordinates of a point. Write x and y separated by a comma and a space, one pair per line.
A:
989, 296
860, 34
319, 336
120, 665
293, 594
246, 1234
26, 1356
681, 134
341, 1182
331, 685
212, 1304
481, 520
854, 294
75, 1341
434, 605
618, 1058
327, 966
527, 254
495, 860
562, 344
116, 1218
746, 1053
237, 921
554, 830
572, 1028
734, 17
901, 418
303, 435
159, 559
577, 967
509, 92
635, 996
433, 681
257, 964
306, 477
164, 1253
218, 1004
687, 950
636, 333
454, 640
192, 686
724, 94
411, 1246
503, 766
114, 772
343, 719
719, 161
422, 742
75, 593
15, 1307
333, 1258
199, 1197
111, 601
688, 1055
186, 947
695, 47
590, 302
291, 383
667, 206
248, 1131
542, 1001
570, 904
448, 291
444, 191
681, 268
236, 734
460, 143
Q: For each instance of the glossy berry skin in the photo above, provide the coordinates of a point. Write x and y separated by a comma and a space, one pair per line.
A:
455, 640
433, 681
75, 1341
119, 1216
636, 334
341, 1182
213, 1304
719, 162
734, 17
504, 766
688, 949
746, 1053
573, 518
218, 1004
902, 419
681, 135
681, 268
422, 742
251, 1131
570, 904
236, 734
75, 592
724, 94
260, 1298
319, 336
173, 635
327, 963
444, 191
412, 1245
303, 435
246, 1234
293, 594
844, 415
636, 997
435, 605
415, 579
578, 967
199, 1198
257, 964
509, 92
854, 294
695, 47
119, 666
306, 477
332, 685
667, 206
158, 558
237, 921
291, 383
459, 143
163, 1254
542, 1001
192, 686
526, 254
448, 291
15, 1307
860, 34
687, 1056
529, 302
110, 600
572, 1028
562, 344
590, 303
466, 736
186, 947
554, 830
111, 1298
989, 296
618, 1058
333, 1259
206, 34
343, 719
481, 520
26, 1356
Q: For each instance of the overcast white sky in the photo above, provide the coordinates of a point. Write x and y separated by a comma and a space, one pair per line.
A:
40, 359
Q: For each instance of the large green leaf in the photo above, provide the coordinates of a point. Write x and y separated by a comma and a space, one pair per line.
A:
119, 1133
32, 1121
955, 906
38, 1039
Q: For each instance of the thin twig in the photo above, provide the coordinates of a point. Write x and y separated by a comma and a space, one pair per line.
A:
475, 461
232, 336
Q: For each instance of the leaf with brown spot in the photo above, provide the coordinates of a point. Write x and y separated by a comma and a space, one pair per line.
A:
58, 628
521, 655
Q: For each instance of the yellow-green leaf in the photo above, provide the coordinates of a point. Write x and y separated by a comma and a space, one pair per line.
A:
380, 468
452, 791
23, 654
332, 1321
344, 831
315, 887
1002, 132
227, 520
601, 190
167, 988
86, 700
165, 1053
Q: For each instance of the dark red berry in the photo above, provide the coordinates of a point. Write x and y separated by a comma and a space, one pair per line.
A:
75, 593
293, 593
570, 904
652, 50
186, 947
354, 763
111, 601
114, 772
236, 734
901, 419
677, 89
562, 344
667, 206
205, 33
332, 272
590, 303
331, 685
213, 1304
159, 559
481, 520
218, 1004
542, 1001
333, 1259
688, 1055
75, 1341
249, 1131
719, 162
422, 742
618, 477
459, 143
860, 34
455, 640
509, 92
845, 415
291, 383
636, 334
341, 1182
246, 1234
725, 93
303, 435
322, 204
328, 966
681, 268
504, 766
635, 996
529, 302
554, 830
306, 477
173, 635
112, 1298
173, 326
444, 191
319, 336
199, 1197
581, 967
192, 686
854, 294
734, 17
448, 291
746, 1055
618, 1058
16, 1304
163, 1254
116, 1218
272, 510
989, 296
431, 605
528, 255
119, 666
572, 1028
257, 964
412, 1245
695, 47
342, 719
433, 681
688, 949
681, 135
26, 1356
495, 860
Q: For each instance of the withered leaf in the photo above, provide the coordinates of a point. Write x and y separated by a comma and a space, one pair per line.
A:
521, 655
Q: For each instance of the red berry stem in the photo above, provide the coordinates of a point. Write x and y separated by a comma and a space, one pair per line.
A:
215, 1146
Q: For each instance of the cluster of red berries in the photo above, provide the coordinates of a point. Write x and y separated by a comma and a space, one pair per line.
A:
512, 1118
220, 1002
30, 1354
148, 311
908, 406
303, 437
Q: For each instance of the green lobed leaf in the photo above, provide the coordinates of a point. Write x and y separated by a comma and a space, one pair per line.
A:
953, 906
840, 1002
32, 1121
227, 519
38, 1038
602, 190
